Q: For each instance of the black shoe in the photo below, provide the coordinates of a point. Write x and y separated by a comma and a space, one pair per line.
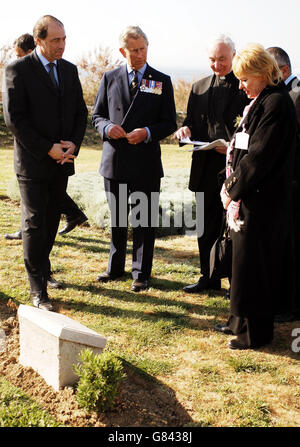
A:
53, 284
203, 284
227, 295
72, 224
236, 344
223, 328
138, 285
41, 301
106, 277
285, 318
16, 235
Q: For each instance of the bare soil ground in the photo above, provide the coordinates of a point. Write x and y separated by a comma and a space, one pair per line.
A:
141, 403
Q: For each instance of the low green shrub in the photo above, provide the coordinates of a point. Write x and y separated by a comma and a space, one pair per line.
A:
99, 379
177, 209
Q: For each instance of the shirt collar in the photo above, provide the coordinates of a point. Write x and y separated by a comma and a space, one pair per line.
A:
141, 70
289, 79
42, 58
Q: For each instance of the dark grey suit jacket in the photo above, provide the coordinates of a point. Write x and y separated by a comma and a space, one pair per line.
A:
40, 115
120, 160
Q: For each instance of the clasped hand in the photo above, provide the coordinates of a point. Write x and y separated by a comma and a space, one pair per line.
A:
135, 137
63, 152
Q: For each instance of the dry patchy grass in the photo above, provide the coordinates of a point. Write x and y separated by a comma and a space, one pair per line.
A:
164, 334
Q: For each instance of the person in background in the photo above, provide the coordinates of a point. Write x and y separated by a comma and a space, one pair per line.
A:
44, 108
134, 110
214, 104
24, 45
289, 305
257, 197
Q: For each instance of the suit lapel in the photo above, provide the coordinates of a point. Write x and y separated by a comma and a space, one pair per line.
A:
42, 73
122, 86
138, 98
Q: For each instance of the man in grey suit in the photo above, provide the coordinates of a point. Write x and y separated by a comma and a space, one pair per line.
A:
44, 109
134, 110
289, 307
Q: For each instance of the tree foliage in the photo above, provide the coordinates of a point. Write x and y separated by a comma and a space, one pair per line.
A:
182, 90
92, 68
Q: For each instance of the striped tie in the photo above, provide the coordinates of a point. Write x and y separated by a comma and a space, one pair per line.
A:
134, 84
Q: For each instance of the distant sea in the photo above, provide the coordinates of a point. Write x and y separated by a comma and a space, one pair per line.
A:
189, 75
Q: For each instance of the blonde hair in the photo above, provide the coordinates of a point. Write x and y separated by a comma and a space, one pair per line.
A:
254, 60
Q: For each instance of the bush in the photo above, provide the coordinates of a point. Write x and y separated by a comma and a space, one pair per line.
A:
99, 379
87, 190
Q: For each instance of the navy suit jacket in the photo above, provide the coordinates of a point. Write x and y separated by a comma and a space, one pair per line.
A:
122, 161
40, 115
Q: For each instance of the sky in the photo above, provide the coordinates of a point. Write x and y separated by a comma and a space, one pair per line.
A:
178, 30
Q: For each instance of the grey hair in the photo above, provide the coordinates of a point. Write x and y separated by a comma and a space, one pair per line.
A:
281, 57
222, 38
131, 32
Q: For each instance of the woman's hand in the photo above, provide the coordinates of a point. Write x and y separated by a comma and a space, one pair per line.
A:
225, 197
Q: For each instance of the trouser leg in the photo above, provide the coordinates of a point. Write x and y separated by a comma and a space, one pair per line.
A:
144, 213
213, 213
40, 220
70, 209
117, 198
252, 331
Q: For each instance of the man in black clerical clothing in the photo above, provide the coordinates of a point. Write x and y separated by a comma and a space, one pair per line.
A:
289, 307
44, 109
214, 104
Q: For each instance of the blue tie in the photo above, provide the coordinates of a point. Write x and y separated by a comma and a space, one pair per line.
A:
51, 74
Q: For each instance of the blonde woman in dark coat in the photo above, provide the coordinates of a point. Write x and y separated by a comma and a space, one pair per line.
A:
256, 195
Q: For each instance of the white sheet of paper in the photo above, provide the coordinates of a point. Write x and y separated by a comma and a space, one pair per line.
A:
242, 141
202, 145
189, 141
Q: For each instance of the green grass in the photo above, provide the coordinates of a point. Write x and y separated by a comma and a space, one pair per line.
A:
164, 334
17, 410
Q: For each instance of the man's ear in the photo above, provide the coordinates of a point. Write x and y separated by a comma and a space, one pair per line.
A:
285, 72
122, 51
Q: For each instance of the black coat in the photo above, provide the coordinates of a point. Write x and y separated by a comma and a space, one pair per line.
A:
122, 161
207, 164
262, 180
40, 115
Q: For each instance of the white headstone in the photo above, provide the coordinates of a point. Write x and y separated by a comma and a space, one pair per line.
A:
50, 344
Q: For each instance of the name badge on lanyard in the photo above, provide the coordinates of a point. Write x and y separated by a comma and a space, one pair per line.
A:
241, 141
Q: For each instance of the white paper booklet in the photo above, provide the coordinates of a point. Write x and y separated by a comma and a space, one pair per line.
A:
203, 146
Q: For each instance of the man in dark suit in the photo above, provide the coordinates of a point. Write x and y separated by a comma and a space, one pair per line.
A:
45, 110
289, 307
24, 45
214, 104
134, 110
